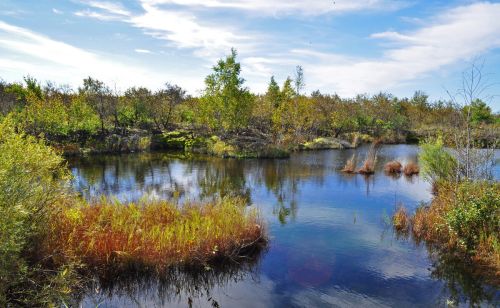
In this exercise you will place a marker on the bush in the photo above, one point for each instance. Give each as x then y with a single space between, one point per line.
32 180
437 163
475 214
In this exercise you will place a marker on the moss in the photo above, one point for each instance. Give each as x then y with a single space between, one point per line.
325 143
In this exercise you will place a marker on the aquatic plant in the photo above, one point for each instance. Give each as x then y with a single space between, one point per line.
350 165
156 235
368 166
411 168
401 220
393 167
462 218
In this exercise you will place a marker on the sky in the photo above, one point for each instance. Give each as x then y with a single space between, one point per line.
347 47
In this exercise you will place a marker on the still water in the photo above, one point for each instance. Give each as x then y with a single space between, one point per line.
331 242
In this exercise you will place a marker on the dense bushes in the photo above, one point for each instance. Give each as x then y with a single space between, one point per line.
32 181
463 217
283 115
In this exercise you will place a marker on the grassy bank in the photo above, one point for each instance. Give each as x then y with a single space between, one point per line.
464 219
156 235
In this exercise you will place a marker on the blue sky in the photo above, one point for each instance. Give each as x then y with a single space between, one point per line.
345 47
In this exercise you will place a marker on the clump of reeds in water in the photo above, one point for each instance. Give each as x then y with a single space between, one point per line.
393 167
350 166
401 220
411 168
368 166
157 235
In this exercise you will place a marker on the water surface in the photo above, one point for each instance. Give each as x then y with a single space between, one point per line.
331 239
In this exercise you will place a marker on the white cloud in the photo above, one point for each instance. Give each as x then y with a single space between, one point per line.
56 11
277 7
456 35
179 28
139 50
115 8
26 52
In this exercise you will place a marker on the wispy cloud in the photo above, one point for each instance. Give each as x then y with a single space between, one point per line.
285 7
29 52
455 35
56 11
139 50
178 28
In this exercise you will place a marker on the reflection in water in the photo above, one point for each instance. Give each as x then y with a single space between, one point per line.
329 243
181 286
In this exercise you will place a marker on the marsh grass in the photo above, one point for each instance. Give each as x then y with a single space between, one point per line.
158 235
462 219
401 220
393 167
368 166
411 168
350 166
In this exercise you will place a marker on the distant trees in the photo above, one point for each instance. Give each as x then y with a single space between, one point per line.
284 113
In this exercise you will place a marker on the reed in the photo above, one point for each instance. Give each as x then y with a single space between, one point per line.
411 168
368 166
393 167
401 220
350 165
158 235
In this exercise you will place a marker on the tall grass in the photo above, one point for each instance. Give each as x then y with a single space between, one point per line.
158 235
393 167
368 166
411 168
350 166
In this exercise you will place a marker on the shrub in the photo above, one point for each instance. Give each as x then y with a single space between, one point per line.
475 214
437 164
32 180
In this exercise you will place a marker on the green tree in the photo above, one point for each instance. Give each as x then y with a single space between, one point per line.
273 95
479 112
226 103
98 96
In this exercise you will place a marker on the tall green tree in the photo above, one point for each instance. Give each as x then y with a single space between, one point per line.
226 103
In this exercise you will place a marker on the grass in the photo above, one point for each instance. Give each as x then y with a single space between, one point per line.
393 167
368 166
401 220
158 235
350 166
464 219
411 168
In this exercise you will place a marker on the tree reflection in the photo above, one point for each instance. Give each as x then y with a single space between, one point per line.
143 287
466 283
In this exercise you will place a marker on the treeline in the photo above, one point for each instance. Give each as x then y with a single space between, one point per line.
283 115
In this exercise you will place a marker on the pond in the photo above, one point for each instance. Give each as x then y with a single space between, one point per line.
331 241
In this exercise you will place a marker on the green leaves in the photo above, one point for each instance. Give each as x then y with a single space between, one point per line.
226 104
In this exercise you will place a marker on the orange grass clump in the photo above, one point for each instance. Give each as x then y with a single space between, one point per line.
371 158
350 166
157 235
393 167
411 168
401 220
